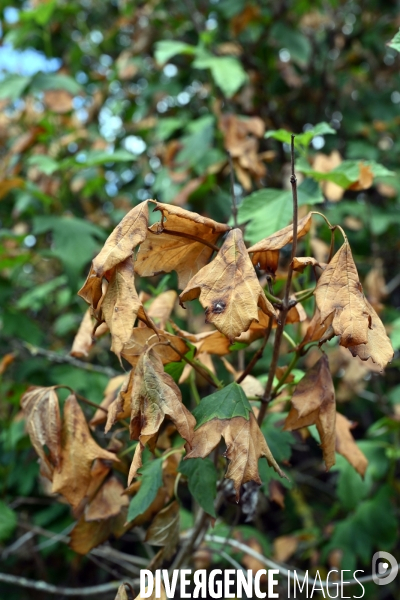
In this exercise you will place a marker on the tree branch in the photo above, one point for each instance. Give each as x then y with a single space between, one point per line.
286 303
70 360
42 586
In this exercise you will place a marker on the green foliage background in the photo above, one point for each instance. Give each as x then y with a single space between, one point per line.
144 76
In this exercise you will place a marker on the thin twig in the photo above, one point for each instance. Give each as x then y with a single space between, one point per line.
256 357
70 360
233 195
42 586
215 383
292 572
286 303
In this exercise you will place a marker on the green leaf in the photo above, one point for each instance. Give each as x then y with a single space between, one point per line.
294 41
344 174
351 487
226 71
50 81
8 521
280 442
395 42
166 49
202 480
41 14
75 241
166 127
267 211
309 192
13 86
96 158
151 481
227 403
175 369
38 296
395 334
44 163
372 522
301 139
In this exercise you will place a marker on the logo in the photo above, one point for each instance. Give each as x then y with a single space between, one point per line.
384 568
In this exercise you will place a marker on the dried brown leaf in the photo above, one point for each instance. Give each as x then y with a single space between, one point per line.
43 422
267 261
142 336
301 262
339 291
121 305
378 347
84 338
91 291
282 237
163 252
89 534
365 178
164 530
108 502
78 451
228 289
120 408
346 445
110 395
245 445
313 402
130 232
155 395
161 308
59 101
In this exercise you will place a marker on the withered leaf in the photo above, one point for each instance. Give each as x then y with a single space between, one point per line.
142 336
228 413
108 501
301 262
161 308
267 261
121 594
365 178
339 291
164 530
228 289
110 395
316 330
130 232
43 423
89 534
313 402
120 408
346 445
78 451
245 445
84 338
378 347
155 395
91 291
282 237
120 305
163 252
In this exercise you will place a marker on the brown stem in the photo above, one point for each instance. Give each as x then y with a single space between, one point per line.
187 236
285 304
233 196
81 398
195 366
256 357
